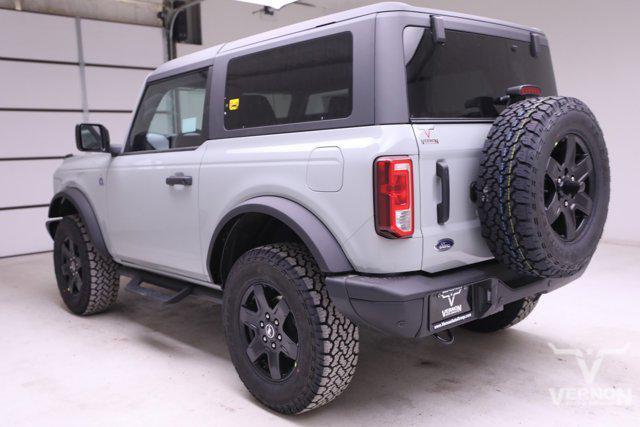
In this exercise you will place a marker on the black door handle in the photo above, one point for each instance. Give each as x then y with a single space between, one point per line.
179 179
442 172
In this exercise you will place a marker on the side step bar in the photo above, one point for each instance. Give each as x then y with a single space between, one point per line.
178 289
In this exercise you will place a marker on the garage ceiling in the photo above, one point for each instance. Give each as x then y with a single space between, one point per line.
142 12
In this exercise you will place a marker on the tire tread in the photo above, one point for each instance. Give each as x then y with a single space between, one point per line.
105 278
336 346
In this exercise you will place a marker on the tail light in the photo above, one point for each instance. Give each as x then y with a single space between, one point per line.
524 90
394 196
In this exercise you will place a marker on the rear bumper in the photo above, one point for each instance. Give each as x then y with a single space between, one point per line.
399 305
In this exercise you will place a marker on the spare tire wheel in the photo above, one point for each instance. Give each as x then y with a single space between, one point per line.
543 186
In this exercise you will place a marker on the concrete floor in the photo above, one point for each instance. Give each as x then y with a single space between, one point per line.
144 365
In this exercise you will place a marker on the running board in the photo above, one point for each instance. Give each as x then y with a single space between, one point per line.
178 289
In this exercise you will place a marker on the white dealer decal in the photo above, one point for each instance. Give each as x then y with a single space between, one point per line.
592 393
427 135
451 295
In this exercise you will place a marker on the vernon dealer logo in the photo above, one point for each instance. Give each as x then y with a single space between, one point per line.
590 361
427 135
451 295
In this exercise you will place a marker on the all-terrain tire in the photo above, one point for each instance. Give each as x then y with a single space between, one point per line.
327 342
512 314
533 193
95 288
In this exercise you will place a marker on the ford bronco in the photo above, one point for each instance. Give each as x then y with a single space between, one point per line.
407 169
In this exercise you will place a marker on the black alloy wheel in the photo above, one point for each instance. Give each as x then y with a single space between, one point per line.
291 347
71 266
270 332
569 188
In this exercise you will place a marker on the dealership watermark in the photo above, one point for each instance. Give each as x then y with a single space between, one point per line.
591 393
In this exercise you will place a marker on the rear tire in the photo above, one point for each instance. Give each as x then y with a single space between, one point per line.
87 280
291 347
512 314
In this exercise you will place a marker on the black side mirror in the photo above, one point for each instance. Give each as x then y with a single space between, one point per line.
92 137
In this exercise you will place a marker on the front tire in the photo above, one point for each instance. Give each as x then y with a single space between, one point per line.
291 347
87 280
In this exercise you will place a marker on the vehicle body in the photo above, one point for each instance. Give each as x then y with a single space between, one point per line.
253 164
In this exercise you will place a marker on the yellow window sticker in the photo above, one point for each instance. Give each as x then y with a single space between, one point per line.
234 104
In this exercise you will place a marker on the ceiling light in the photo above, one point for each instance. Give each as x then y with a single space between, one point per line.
275 4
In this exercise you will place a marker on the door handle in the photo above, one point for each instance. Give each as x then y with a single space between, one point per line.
179 179
442 172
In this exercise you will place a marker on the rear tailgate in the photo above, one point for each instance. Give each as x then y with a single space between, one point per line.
453 90
458 148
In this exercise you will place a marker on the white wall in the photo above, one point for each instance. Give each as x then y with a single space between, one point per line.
595 50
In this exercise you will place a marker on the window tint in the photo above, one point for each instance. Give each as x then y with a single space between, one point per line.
171 114
301 82
463 77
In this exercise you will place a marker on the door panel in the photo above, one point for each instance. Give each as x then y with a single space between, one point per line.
152 189
151 223
460 146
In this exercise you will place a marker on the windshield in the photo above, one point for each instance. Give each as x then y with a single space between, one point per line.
463 77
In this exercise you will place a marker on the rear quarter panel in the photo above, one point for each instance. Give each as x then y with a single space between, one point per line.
237 169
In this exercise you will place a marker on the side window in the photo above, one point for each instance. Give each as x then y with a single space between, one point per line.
171 114
301 82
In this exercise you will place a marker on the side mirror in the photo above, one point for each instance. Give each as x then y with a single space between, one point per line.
92 137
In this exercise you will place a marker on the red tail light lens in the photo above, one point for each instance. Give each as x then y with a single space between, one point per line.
530 90
394 196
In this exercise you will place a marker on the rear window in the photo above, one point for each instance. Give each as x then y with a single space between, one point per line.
301 82
463 77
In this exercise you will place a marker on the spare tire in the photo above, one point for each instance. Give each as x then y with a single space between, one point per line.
543 186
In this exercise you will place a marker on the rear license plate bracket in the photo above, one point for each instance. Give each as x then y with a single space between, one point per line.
450 307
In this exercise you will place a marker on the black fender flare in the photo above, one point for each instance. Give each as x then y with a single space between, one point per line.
69 201
312 232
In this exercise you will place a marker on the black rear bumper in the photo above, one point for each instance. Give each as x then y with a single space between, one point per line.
399 305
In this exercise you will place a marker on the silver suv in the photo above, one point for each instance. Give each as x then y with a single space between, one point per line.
391 166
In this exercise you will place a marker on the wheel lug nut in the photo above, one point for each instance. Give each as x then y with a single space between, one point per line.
264 339
276 322
559 180
261 324
279 337
573 178
566 203
273 345
267 316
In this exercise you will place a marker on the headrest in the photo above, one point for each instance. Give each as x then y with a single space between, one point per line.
253 110
339 106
